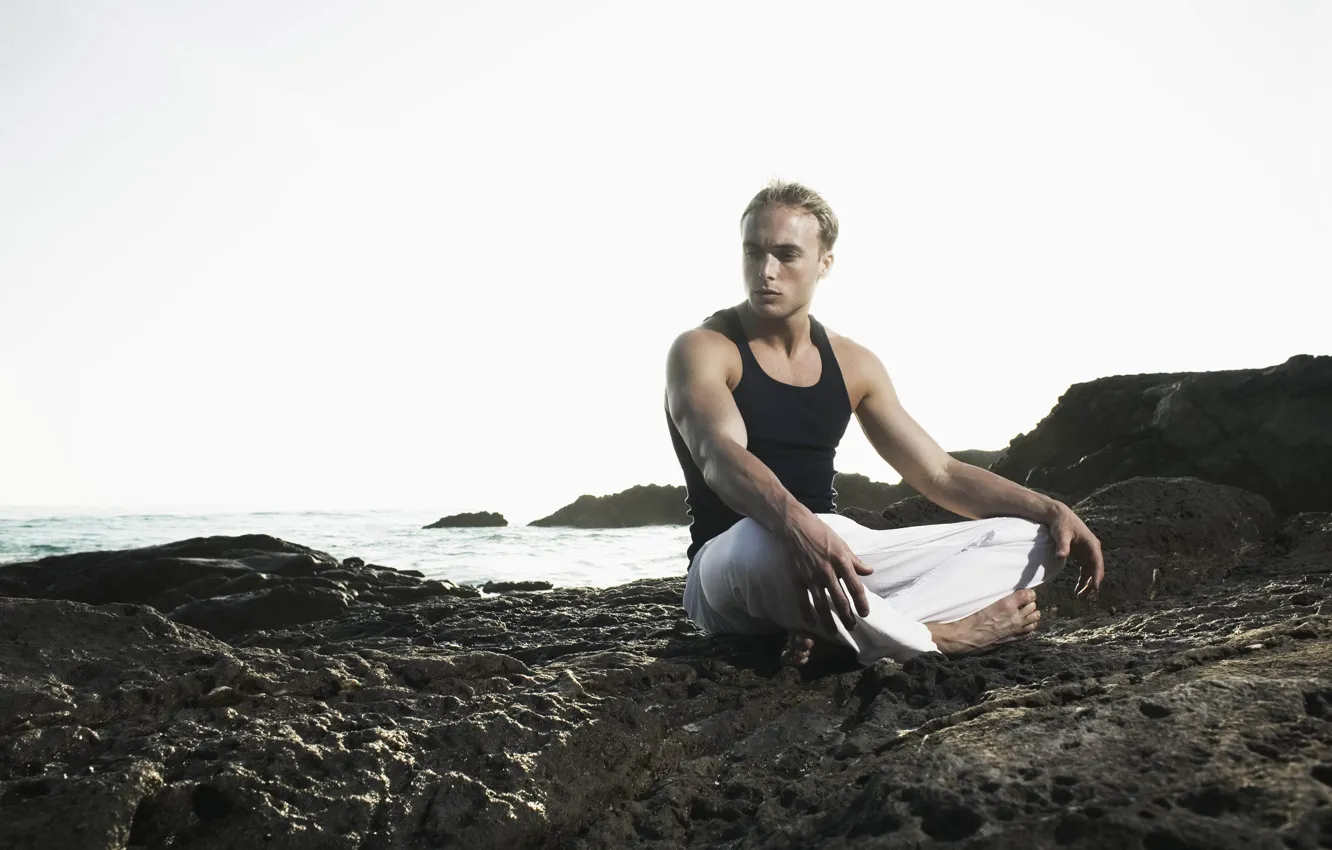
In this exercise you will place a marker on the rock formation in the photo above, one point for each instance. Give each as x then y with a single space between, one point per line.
482 519
645 504
1266 430
1190 707
247 692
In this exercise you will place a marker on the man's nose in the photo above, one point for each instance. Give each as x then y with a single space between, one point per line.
770 267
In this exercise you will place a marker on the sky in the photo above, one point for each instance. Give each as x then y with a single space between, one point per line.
300 255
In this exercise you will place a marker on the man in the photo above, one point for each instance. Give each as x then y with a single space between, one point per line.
757 399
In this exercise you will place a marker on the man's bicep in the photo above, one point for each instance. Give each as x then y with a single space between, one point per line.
898 438
697 396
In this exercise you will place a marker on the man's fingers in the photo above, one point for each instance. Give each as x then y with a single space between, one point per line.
807 612
824 612
862 568
857 591
839 601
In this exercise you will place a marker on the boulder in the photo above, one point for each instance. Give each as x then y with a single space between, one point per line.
1264 430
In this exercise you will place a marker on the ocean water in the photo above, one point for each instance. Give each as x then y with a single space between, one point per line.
392 537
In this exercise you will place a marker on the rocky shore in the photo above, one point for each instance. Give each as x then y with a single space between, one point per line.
246 691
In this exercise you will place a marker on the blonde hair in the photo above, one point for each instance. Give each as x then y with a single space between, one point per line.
787 193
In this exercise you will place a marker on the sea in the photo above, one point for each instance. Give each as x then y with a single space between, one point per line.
565 557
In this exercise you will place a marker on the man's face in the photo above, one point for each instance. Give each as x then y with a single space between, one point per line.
783 260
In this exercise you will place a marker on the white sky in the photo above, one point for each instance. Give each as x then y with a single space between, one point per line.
336 254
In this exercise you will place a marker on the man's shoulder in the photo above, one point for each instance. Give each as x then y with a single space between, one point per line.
706 349
709 335
848 351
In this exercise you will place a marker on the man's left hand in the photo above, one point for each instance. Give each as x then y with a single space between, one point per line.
1071 536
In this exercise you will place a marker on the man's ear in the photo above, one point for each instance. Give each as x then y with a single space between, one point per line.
827 262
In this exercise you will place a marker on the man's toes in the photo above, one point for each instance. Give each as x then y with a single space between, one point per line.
1033 615
1025 596
1027 610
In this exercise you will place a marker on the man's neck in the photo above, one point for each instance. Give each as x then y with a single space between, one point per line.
787 334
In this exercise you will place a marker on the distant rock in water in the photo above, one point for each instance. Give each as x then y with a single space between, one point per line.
645 504
483 519
515 586
655 504
1265 430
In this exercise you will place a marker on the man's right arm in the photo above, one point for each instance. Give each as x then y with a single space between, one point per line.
704 412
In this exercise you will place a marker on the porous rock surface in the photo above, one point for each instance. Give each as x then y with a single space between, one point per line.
1189 708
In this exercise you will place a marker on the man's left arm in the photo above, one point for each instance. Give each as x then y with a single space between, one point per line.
961 487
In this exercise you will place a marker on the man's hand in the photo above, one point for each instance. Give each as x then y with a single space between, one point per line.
823 562
1072 536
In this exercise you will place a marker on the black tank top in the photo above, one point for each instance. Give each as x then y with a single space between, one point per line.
794 431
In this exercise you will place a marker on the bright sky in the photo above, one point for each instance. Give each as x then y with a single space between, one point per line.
354 254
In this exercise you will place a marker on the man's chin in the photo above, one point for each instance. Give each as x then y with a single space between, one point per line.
765 308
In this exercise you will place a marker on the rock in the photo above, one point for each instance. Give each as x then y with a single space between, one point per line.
857 491
1264 430
512 586
230 586
484 519
645 504
1176 516
917 510
1198 714
867 518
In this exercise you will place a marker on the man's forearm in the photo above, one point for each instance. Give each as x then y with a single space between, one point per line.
980 494
748 487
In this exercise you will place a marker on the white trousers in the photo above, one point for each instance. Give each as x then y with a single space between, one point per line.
741 581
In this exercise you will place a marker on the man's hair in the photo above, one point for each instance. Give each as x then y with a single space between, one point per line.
786 193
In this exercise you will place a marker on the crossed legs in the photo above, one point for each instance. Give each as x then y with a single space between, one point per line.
949 588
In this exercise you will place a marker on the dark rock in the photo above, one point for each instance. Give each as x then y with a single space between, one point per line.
1176 516
917 510
512 586
484 519
645 504
230 586
1199 714
1264 430
867 518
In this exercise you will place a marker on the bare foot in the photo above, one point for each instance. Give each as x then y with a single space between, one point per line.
1011 618
799 644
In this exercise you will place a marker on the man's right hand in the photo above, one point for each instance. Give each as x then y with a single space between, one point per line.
823 563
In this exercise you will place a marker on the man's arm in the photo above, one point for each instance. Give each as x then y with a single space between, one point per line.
961 487
701 406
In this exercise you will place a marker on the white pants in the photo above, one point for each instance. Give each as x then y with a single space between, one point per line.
742 580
